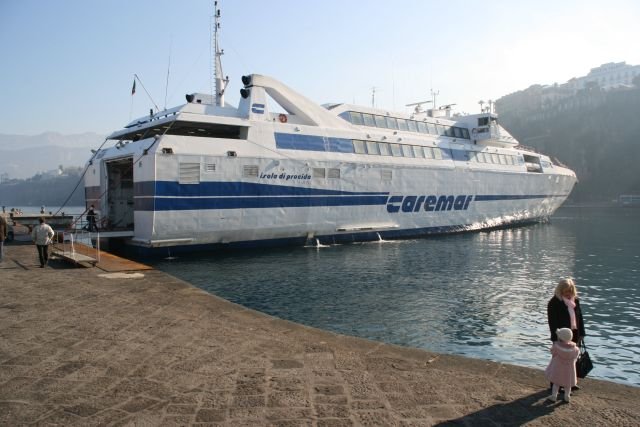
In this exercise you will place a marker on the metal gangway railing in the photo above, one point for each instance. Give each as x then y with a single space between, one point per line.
78 246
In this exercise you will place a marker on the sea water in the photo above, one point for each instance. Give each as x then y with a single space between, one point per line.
481 294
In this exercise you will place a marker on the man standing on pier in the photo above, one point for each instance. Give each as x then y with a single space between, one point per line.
4 232
42 235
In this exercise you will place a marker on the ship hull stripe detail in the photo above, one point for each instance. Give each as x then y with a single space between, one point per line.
265 202
237 189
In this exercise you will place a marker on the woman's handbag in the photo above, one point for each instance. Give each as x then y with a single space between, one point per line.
583 364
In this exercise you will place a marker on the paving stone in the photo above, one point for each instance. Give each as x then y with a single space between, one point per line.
209 415
332 411
286 364
288 398
137 404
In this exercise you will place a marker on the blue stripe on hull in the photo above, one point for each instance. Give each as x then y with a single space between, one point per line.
264 202
237 189
191 203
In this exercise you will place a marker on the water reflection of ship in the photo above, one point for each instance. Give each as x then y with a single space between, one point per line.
504 309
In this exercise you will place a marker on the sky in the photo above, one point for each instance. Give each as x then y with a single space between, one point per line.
68 65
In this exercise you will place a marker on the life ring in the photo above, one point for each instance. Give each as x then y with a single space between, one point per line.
282 118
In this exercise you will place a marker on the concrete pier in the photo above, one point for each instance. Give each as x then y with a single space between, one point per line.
84 346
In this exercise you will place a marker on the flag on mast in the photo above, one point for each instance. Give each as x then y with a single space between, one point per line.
133 88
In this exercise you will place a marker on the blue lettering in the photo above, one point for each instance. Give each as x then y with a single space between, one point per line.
466 204
429 203
408 203
458 204
414 203
391 208
444 203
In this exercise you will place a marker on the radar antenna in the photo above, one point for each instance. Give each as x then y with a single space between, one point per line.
220 82
418 106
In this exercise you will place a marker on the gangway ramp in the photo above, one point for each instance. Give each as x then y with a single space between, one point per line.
78 248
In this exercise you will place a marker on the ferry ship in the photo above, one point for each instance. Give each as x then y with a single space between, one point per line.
206 174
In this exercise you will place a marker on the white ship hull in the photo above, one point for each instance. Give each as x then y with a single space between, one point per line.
260 178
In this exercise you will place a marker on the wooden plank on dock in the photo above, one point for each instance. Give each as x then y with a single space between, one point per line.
113 263
107 261
75 257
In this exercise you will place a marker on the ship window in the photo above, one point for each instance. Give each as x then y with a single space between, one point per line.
412 126
437 153
428 152
384 149
250 171
503 159
345 115
318 172
448 131
465 133
422 127
333 173
368 119
457 132
483 121
392 123
356 118
407 151
495 159
189 173
532 163
386 174
358 147
206 130
396 151
372 148
203 130
380 121
432 129
402 124
417 151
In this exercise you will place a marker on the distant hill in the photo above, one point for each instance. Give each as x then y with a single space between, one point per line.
48 190
23 156
595 132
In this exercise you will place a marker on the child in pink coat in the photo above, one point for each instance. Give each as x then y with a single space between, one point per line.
562 367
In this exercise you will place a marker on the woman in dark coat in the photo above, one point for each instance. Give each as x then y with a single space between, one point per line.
563 311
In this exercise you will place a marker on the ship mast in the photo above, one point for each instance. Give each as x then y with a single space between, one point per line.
220 82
